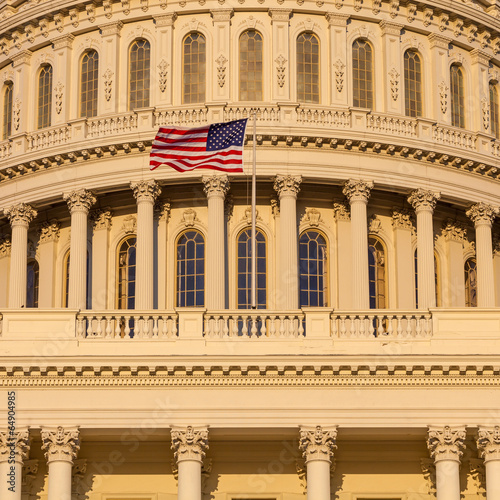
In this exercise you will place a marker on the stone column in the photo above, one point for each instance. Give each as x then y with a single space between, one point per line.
358 192
287 187
454 233
79 203
14 449
424 203
440 75
337 27
446 446
101 223
216 188
162 217
20 217
488 444
146 193
402 225
47 247
189 445
483 216
317 446
343 255
61 447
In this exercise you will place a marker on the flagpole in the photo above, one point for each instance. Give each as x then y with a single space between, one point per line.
254 188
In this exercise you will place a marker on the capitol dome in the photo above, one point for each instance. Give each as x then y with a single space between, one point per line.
132 364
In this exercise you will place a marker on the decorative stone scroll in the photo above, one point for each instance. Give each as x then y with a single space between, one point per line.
280 70
80 200
221 70
60 444
355 190
287 185
108 83
394 81
339 75
317 443
162 75
189 443
446 443
146 190
422 199
482 213
215 185
443 96
20 215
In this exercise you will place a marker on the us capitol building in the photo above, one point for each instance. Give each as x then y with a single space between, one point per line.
132 366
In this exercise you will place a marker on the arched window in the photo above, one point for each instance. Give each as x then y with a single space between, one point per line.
44 96
308 68
436 279
494 110
457 96
125 296
413 83
88 83
362 74
377 273
7 110
251 54
313 270
470 274
193 68
33 282
191 270
139 64
245 269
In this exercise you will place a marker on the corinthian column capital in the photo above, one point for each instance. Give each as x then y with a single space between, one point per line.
488 442
21 214
146 190
189 443
215 185
482 214
60 445
357 190
317 443
14 445
49 231
446 443
80 200
287 185
423 200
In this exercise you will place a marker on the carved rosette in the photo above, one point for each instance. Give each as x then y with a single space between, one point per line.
488 443
215 185
101 219
19 442
446 443
454 231
317 443
147 191
49 231
357 190
60 445
287 185
482 214
20 215
423 200
80 200
401 219
189 443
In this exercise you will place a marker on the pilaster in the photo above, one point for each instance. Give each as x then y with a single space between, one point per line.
281 84
479 108
109 70
101 220
222 43
22 98
342 217
454 233
403 227
61 82
440 75
337 27
47 248
163 67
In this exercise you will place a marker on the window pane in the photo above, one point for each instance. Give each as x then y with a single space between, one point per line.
308 68
88 84
377 273
313 270
494 116
251 48
193 74
362 74
457 97
7 111
413 83
126 273
139 65
191 270
44 97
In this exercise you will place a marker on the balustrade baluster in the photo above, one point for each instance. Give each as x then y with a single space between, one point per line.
399 328
244 329
108 327
272 326
263 329
254 326
301 326
343 329
282 326
127 327
118 326
155 326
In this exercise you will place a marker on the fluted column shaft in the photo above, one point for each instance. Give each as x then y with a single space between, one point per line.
424 203
79 203
358 192
483 216
61 447
189 447
317 446
14 449
146 193
446 446
288 187
488 444
20 217
216 188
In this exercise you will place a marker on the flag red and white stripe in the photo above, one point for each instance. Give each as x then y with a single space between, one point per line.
218 146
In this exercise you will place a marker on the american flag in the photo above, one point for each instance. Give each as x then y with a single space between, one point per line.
218 146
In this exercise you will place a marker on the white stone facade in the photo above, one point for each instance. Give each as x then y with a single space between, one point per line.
151 382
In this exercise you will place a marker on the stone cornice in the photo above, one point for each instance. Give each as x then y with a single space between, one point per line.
317 443
23 57
165 19
282 15
110 29
440 41
60 445
63 42
390 28
446 443
336 19
189 443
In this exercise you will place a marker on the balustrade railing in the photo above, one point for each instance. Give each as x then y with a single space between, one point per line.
324 117
127 325
381 324
245 324
452 136
386 124
48 137
187 116
118 124
263 114
5 149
